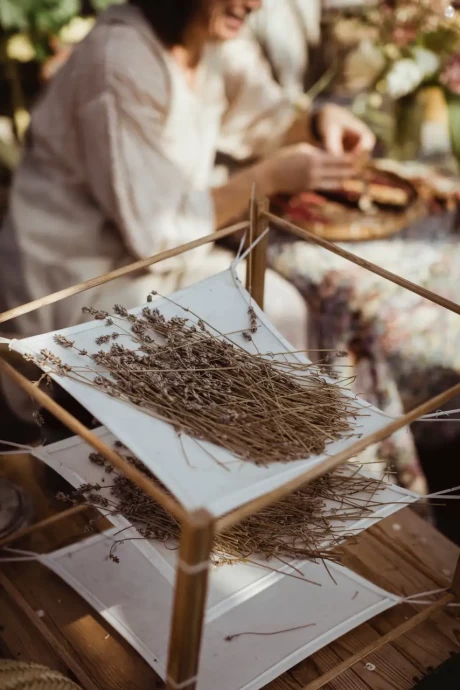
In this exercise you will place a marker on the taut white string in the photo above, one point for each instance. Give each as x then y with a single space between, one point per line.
24 555
432 417
254 244
444 494
428 602
20 448
193 569
240 248
440 412
18 560
184 684
417 600
429 593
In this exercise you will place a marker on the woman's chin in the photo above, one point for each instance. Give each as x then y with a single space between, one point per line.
228 29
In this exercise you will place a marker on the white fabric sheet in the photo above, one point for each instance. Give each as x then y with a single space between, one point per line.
222 302
70 459
136 599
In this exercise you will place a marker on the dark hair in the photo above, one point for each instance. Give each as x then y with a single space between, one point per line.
170 18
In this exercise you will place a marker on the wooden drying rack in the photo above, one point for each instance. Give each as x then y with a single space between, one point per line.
199 526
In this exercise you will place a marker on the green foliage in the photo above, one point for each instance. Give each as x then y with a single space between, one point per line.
453 107
13 15
41 19
443 41
37 16
101 5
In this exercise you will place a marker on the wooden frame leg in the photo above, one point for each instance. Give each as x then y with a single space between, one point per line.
190 601
257 259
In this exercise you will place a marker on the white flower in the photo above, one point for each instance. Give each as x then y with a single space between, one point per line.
20 48
76 30
427 61
403 78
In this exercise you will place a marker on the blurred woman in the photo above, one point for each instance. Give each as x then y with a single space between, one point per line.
120 152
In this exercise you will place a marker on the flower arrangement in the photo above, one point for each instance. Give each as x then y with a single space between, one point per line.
419 38
417 46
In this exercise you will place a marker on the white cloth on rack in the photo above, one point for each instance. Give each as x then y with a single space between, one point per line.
285 307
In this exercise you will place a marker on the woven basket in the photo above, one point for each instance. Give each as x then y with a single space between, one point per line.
16 675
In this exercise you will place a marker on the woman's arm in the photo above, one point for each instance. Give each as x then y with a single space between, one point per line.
332 127
300 129
260 117
231 199
290 170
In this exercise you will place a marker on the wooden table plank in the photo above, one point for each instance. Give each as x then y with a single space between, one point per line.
449 624
394 671
111 662
18 641
321 662
425 647
428 546
387 567
284 682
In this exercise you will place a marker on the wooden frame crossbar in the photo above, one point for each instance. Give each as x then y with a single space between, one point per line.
143 482
334 461
380 642
120 272
303 234
199 527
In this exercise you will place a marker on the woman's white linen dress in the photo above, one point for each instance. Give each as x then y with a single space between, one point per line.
118 166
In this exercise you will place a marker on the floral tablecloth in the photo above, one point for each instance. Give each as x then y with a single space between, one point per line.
404 349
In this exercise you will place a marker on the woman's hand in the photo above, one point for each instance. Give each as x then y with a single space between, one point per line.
303 167
341 132
290 170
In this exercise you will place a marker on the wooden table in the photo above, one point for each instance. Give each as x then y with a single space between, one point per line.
404 554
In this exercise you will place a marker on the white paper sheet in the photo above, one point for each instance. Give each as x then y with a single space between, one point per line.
222 302
136 599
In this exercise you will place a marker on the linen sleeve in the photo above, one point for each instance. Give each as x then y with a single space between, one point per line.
126 165
258 113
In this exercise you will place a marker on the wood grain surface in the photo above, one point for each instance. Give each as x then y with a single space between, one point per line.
404 554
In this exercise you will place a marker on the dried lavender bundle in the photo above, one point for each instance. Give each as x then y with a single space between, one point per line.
260 408
296 527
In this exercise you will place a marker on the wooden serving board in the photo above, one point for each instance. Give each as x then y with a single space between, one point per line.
337 216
